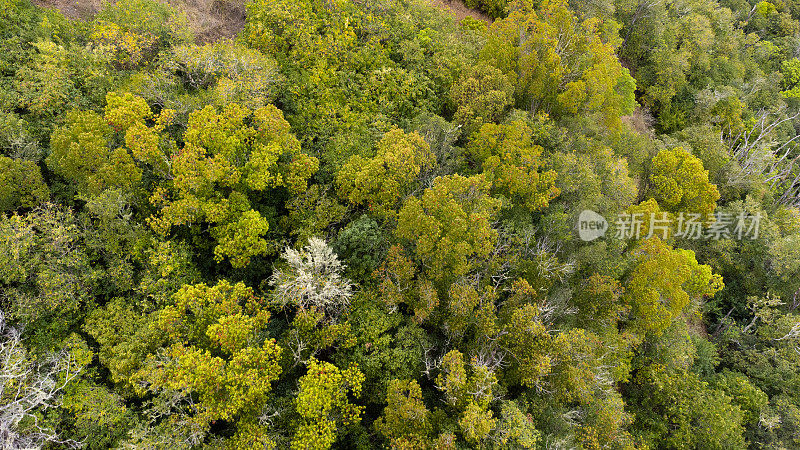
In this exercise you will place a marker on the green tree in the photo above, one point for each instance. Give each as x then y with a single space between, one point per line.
450 225
99 416
560 64
125 337
22 184
323 404
683 411
680 183
381 182
359 244
513 164
46 278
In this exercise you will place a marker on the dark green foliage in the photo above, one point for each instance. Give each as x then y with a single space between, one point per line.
360 245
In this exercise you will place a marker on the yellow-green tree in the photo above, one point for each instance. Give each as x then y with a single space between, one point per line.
680 183
664 284
227 154
468 389
559 63
130 116
216 352
323 404
80 153
135 30
481 95
381 182
513 164
405 420
450 225
528 339
398 283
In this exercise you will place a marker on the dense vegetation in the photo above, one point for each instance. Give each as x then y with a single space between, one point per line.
354 226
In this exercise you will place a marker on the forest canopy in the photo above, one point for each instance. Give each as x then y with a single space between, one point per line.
370 224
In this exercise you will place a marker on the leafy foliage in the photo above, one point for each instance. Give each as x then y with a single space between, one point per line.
364 224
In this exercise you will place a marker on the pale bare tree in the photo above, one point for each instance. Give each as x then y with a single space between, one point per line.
313 279
759 153
29 386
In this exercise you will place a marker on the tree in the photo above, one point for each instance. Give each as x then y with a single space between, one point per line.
58 76
470 392
46 278
593 176
476 423
384 343
390 176
359 244
22 184
450 225
405 420
81 155
16 138
743 393
231 72
482 95
791 77
94 414
228 154
663 284
323 404
125 337
311 213
399 283
217 352
135 30
680 183
530 343
512 163
515 429
561 65
313 280
30 386
312 283
600 303
683 411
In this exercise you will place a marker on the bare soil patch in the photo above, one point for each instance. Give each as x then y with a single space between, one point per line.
210 19
213 19
460 10
74 9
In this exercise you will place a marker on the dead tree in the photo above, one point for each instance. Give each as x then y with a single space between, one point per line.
29 386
